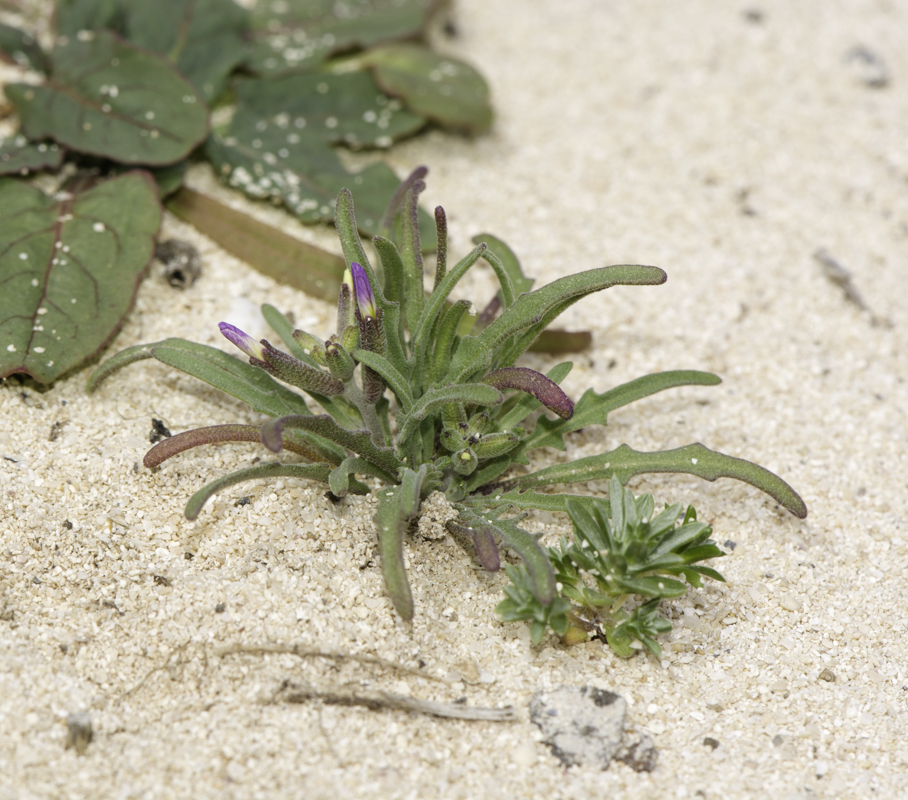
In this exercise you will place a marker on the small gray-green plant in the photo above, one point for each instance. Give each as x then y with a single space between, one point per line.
620 551
460 413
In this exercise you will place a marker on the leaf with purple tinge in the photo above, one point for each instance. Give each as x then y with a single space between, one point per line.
545 390
105 97
69 270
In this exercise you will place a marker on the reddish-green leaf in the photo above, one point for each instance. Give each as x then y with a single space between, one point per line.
69 269
106 97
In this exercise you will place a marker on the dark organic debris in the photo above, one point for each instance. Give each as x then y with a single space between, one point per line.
639 753
182 264
837 274
158 431
79 732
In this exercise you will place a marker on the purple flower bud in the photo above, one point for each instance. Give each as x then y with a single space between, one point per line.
362 290
243 340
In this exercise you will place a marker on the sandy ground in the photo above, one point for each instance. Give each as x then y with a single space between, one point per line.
726 143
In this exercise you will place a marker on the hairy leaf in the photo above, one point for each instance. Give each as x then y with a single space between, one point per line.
693 459
299 34
107 98
18 156
593 408
476 352
444 89
342 479
69 270
322 424
312 472
433 400
219 434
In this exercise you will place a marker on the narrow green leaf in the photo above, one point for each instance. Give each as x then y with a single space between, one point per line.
693 459
593 407
322 424
107 98
509 261
312 472
241 380
341 479
390 520
446 90
436 300
395 380
19 47
528 498
435 398
267 249
527 547
298 35
69 270
476 352
203 38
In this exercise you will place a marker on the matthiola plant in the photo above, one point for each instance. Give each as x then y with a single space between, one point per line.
412 395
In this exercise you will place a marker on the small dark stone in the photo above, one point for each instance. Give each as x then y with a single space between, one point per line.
160 580
710 742
158 431
244 501
868 67
730 544
188 556
55 431
220 608
827 675
67 524
777 740
754 16
182 265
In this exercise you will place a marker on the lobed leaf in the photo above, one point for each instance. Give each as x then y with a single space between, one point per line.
69 270
693 459
105 97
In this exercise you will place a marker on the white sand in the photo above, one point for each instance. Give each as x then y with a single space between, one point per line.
626 132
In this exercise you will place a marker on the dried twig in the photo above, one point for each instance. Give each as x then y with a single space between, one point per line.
306 652
377 699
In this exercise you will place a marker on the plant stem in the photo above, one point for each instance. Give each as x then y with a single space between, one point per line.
367 411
